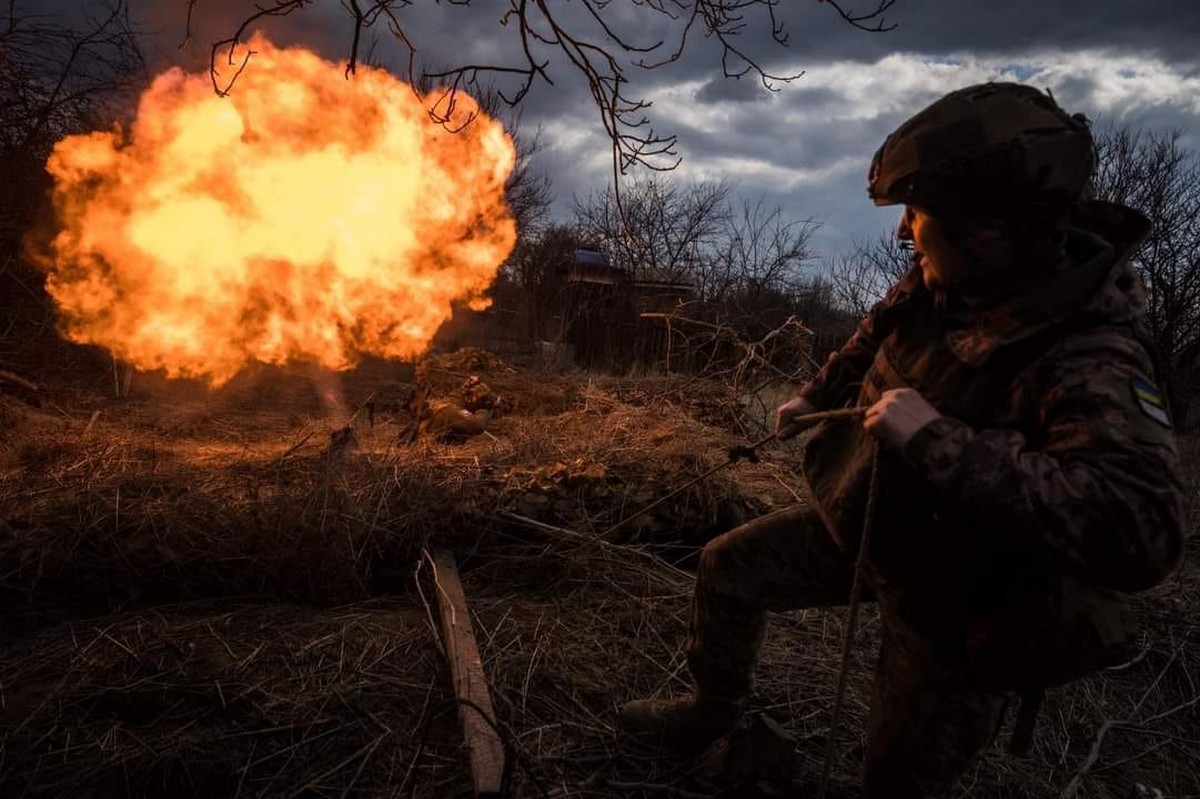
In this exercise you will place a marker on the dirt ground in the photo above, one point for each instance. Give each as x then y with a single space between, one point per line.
203 596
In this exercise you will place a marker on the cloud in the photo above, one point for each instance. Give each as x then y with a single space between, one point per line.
732 90
1161 29
810 144
806 146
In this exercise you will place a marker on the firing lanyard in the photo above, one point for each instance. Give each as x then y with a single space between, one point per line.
735 454
856 588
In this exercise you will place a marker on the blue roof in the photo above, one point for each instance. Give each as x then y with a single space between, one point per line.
591 258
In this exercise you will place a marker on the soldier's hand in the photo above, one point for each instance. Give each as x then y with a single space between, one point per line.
787 416
898 415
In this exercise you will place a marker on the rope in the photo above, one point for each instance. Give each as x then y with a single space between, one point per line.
851 623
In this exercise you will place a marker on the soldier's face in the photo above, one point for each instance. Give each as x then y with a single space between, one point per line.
943 264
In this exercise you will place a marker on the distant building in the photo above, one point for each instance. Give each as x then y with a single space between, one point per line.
593 266
584 308
601 306
660 291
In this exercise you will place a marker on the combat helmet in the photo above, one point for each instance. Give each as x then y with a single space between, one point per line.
996 149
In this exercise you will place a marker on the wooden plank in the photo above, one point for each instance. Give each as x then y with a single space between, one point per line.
484 748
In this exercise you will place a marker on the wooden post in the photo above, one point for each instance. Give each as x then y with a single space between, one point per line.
484 747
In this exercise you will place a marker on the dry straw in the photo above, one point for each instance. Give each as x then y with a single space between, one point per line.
202 599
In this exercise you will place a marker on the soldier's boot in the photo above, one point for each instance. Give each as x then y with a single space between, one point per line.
687 725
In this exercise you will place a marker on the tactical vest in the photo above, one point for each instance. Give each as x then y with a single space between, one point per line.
1009 619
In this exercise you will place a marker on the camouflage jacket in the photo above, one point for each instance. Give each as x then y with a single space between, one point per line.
1054 453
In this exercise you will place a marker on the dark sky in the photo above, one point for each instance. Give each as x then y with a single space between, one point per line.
805 147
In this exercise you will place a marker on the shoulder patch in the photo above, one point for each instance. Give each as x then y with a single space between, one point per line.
1151 401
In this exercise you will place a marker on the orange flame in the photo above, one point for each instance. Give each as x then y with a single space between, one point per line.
304 217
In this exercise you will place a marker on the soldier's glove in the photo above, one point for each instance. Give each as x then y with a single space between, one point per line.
787 418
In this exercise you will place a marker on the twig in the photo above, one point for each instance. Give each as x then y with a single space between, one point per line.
1072 788
91 423
423 722
17 380
294 447
588 540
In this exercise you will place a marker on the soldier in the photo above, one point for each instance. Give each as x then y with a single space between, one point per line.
448 419
1028 474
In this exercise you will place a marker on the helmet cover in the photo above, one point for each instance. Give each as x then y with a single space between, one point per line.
1001 149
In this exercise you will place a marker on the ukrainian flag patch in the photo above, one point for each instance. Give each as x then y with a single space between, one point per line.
1151 401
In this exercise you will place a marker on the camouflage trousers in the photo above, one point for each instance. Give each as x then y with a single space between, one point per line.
925 724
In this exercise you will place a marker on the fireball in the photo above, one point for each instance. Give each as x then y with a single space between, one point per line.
303 217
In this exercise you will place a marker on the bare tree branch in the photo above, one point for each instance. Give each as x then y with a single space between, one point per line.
862 276
57 79
1153 172
54 77
592 44
662 231
872 21
282 8
761 253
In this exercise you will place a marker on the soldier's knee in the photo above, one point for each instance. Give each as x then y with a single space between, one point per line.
746 552
715 557
722 558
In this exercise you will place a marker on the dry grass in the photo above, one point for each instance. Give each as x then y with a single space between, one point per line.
218 698
206 601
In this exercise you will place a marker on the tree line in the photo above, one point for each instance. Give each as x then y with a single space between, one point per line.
749 262
746 261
